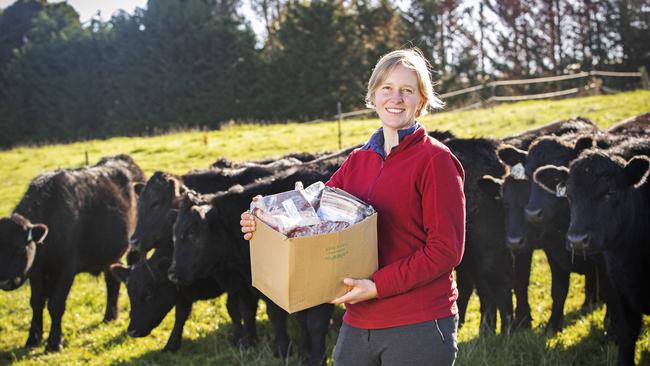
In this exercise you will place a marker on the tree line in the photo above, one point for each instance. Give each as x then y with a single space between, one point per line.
197 63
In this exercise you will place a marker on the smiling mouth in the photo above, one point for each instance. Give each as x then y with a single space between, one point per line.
394 110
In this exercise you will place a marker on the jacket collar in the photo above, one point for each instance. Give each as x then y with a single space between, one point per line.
376 142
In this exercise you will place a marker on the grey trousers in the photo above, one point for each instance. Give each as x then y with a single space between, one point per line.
429 343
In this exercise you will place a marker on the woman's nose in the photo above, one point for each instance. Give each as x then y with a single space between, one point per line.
397 96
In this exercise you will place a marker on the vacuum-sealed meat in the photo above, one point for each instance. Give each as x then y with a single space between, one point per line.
321 228
285 211
314 210
338 205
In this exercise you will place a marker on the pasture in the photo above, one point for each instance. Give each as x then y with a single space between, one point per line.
89 341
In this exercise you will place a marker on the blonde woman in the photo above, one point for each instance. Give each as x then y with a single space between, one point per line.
406 314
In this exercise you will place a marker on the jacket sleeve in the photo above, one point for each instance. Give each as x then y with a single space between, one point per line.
338 177
443 217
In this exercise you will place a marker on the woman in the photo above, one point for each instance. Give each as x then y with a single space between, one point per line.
406 314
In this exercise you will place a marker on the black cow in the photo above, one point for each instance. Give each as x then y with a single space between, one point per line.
638 126
515 190
88 214
208 240
152 295
487 264
162 193
549 218
610 214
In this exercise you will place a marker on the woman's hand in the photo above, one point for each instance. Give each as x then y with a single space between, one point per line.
360 290
248 222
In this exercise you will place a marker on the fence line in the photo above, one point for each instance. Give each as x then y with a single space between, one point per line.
496 98
517 98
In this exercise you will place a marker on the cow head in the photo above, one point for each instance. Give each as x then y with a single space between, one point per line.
151 294
543 206
19 239
606 198
197 240
156 199
514 191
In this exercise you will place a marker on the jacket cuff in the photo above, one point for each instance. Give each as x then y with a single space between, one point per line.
385 287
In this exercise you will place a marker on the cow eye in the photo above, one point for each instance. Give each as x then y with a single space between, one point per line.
148 296
611 193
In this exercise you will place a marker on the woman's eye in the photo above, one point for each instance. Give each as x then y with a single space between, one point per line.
407 91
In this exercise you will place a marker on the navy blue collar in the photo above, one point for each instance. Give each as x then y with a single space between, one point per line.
376 142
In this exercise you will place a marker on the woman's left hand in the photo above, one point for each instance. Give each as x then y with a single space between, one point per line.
361 290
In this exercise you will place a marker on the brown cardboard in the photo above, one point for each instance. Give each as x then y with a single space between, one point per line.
298 273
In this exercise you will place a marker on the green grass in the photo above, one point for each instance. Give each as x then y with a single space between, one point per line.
90 342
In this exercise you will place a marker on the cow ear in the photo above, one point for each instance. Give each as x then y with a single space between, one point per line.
138 188
636 171
511 155
174 187
133 257
120 272
172 215
583 143
552 179
490 185
38 233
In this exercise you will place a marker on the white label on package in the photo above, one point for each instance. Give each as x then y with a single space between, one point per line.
291 209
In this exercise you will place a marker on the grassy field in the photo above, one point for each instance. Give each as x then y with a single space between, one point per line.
90 342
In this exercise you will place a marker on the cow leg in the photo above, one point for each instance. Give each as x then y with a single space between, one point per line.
318 320
56 308
183 310
488 308
505 308
112 294
248 305
232 305
465 289
559 290
591 289
37 302
628 328
278 319
522 266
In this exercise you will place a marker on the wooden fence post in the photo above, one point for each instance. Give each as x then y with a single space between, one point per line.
338 109
645 80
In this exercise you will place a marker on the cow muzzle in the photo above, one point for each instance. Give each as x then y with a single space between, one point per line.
535 216
579 243
11 284
515 244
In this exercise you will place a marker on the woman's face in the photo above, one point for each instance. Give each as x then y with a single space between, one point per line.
397 99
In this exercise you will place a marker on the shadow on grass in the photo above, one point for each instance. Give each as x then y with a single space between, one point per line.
215 348
18 353
538 347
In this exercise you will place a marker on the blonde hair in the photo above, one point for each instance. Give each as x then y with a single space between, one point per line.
411 59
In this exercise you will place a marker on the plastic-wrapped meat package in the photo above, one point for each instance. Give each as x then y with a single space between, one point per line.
338 205
313 193
285 211
322 228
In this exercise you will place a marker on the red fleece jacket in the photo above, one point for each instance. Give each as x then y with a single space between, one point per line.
418 194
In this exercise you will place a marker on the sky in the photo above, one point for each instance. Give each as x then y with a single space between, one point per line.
88 8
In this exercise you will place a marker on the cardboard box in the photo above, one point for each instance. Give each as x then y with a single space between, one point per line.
298 273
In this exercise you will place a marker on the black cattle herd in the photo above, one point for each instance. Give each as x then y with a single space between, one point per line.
575 191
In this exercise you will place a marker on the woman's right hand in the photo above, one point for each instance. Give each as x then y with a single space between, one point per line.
248 222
